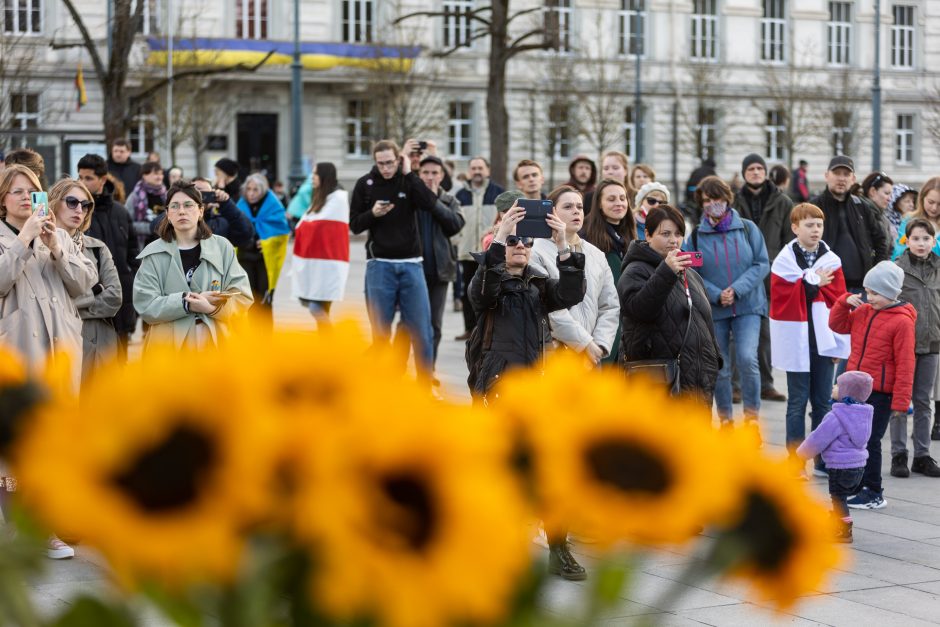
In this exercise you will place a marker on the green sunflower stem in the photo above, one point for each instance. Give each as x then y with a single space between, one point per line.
13 598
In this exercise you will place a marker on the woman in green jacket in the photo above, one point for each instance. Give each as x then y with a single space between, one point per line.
189 282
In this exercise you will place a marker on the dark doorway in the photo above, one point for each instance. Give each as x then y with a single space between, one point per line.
257 143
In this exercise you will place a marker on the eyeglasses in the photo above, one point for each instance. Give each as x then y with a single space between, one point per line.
188 206
652 202
514 240
386 164
72 203
19 193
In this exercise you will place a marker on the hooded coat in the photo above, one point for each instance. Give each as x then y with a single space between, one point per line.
587 188
882 345
97 307
922 290
655 312
842 436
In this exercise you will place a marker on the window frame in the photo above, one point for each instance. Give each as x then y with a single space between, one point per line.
364 123
246 22
905 139
841 28
773 31
457 23
150 20
36 10
707 131
775 134
903 31
629 11
365 24
142 140
559 130
19 119
460 129
699 39
564 9
840 132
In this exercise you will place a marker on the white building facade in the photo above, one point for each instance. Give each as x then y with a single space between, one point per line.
788 79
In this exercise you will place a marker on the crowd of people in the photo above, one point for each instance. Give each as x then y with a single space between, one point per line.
708 296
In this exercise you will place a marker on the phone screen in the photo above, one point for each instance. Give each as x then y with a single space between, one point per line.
40 202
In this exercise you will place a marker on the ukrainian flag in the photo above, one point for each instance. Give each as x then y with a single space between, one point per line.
80 89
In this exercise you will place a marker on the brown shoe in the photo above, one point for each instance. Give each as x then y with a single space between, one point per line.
771 394
735 396
463 337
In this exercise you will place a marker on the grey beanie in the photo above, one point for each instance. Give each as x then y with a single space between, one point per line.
886 279
854 384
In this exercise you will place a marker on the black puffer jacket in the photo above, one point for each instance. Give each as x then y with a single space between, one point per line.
516 307
655 313
111 223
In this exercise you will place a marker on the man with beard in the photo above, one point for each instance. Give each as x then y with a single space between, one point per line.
583 173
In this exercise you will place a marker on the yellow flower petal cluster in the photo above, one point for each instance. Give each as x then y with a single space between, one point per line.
161 466
614 458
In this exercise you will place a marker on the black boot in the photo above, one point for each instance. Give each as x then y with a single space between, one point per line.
926 465
563 564
899 465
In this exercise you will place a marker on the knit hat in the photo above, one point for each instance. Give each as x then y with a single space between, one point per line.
885 279
647 188
228 166
750 160
854 384
505 200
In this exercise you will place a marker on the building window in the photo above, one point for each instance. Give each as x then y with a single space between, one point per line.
773 29
24 111
631 20
706 133
840 33
776 131
559 133
22 17
902 36
143 127
359 124
150 18
460 129
631 132
358 21
842 136
558 22
251 19
457 23
705 30
904 139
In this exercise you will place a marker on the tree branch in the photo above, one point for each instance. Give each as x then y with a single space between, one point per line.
160 84
517 46
480 34
521 13
86 38
473 15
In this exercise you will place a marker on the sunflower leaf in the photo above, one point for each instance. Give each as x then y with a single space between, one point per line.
86 611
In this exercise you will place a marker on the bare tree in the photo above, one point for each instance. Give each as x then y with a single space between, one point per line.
700 111
495 20
839 115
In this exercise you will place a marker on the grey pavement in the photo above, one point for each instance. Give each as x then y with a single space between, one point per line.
892 578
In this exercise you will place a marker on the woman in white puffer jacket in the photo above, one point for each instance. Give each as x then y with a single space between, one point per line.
591 325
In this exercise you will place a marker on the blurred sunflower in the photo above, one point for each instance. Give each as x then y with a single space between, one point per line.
633 463
779 538
412 518
161 472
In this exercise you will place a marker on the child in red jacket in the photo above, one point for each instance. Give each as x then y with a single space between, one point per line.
882 333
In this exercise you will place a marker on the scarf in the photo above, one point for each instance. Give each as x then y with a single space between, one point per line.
724 224
140 193
848 400
79 240
616 240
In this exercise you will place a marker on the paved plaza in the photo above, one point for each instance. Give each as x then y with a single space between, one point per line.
893 577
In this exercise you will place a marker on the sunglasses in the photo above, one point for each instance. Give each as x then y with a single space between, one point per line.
514 240
652 202
72 203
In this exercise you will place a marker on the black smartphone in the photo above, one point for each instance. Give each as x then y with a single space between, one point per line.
423 145
209 197
534 224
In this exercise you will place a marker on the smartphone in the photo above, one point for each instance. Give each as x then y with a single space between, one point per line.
40 201
423 145
208 197
534 224
695 256
383 202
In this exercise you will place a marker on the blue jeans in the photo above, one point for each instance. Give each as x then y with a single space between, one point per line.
814 387
402 285
746 330
879 424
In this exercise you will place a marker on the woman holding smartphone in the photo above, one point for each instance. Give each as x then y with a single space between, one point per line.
72 204
189 282
41 271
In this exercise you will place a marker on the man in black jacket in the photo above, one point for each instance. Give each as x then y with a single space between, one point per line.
111 223
440 256
852 229
386 202
122 166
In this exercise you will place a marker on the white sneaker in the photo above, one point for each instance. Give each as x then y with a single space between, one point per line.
58 550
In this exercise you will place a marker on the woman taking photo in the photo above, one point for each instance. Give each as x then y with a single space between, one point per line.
664 309
611 227
591 325
73 205
41 271
734 266
189 282
321 246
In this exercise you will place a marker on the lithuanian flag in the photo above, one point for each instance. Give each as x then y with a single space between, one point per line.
80 88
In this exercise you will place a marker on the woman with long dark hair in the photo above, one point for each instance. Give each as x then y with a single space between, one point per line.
321 245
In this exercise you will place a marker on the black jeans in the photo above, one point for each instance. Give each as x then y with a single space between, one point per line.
437 293
843 483
879 424
467 270
253 264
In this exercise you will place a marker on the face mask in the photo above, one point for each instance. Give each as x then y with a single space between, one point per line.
716 209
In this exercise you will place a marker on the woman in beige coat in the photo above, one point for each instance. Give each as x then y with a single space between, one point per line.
41 271
73 205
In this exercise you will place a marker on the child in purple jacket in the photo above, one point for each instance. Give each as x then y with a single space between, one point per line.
842 439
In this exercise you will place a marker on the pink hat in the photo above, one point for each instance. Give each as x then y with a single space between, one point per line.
855 384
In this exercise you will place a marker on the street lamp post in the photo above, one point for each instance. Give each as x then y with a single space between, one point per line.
876 95
169 84
637 96
296 177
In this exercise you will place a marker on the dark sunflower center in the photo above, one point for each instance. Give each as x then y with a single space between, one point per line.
628 466
169 475
315 392
415 518
16 401
762 528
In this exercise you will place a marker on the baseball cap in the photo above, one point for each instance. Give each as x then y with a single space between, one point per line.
431 159
842 161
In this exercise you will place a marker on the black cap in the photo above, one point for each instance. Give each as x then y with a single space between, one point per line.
842 162
432 159
228 166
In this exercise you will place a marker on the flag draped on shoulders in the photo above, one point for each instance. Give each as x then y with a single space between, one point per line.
320 265
272 229
789 314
